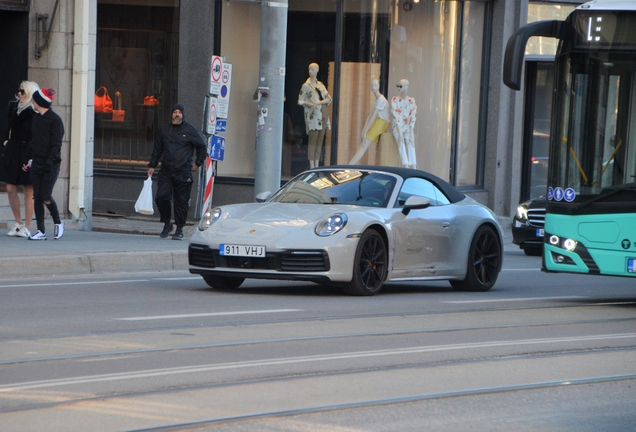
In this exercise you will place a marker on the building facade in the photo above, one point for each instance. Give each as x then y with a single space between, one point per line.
469 129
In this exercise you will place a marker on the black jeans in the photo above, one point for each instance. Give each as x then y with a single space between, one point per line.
178 185
43 183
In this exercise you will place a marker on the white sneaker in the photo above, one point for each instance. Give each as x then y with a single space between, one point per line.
14 230
24 232
39 235
58 230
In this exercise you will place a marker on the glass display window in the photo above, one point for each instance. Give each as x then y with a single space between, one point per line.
404 79
136 66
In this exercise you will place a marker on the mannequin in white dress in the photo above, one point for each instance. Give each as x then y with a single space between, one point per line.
404 113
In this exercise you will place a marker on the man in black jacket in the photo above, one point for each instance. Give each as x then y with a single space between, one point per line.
174 147
44 161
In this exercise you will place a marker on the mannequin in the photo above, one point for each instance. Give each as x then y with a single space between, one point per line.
404 111
377 123
315 98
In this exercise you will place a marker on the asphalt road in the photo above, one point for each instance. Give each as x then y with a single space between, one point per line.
162 351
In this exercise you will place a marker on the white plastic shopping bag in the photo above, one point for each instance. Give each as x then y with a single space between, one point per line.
144 203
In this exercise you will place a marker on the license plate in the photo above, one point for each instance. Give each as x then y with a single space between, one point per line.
540 232
242 250
631 265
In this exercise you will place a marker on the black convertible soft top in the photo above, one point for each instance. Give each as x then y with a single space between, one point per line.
451 193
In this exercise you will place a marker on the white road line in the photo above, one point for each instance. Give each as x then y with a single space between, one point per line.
179 278
160 317
515 299
74 283
27 385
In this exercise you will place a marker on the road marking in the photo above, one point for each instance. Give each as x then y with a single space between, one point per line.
74 283
515 299
179 278
160 317
6 388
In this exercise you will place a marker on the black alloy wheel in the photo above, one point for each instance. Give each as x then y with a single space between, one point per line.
369 266
484 262
223 282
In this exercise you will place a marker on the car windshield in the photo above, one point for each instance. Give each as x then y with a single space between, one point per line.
363 188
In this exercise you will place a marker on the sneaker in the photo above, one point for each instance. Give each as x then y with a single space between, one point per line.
24 232
14 230
39 235
58 230
178 235
167 229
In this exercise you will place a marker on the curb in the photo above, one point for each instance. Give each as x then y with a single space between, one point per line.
107 262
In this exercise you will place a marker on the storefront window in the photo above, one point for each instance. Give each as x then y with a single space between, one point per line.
137 57
424 55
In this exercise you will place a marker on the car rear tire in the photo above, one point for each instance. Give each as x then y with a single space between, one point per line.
369 266
484 262
223 282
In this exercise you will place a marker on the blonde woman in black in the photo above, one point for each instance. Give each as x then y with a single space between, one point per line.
15 143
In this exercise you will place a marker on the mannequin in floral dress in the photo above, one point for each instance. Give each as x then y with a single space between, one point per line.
404 112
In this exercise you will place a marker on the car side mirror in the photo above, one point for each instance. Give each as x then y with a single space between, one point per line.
415 203
263 196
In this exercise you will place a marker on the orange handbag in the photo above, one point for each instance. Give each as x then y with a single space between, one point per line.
103 102
118 114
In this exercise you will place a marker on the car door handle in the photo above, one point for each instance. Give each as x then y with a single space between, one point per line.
445 225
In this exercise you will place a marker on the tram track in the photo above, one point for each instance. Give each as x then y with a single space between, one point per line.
118 353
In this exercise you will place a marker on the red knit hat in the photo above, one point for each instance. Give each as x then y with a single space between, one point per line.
44 97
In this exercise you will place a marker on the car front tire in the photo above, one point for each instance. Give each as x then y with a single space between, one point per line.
369 266
484 262
222 282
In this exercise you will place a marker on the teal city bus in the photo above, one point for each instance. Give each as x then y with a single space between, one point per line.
590 221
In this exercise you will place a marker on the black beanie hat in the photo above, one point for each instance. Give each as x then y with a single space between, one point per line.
179 107
44 97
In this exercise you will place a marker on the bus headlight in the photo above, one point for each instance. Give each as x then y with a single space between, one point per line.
569 244
554 240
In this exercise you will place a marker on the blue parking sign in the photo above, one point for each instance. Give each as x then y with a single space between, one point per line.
217 148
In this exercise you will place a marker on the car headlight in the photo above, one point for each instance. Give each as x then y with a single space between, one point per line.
522 213
331 224
209 218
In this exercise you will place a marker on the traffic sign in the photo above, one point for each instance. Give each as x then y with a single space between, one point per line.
216 71
224 90
221 126
212 115
217 147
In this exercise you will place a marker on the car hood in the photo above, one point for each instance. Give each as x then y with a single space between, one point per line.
278 214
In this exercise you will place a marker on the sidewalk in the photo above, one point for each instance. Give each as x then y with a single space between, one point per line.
116 244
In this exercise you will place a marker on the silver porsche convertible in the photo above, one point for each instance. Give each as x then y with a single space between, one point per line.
355 227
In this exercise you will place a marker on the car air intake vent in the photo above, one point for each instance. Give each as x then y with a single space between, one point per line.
304 261
536 217
201 256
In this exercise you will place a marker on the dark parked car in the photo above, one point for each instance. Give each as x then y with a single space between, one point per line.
527 226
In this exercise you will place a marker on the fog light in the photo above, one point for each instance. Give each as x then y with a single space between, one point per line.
554 240
560 258
569 244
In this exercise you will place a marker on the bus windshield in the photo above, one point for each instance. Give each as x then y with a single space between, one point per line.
594 152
